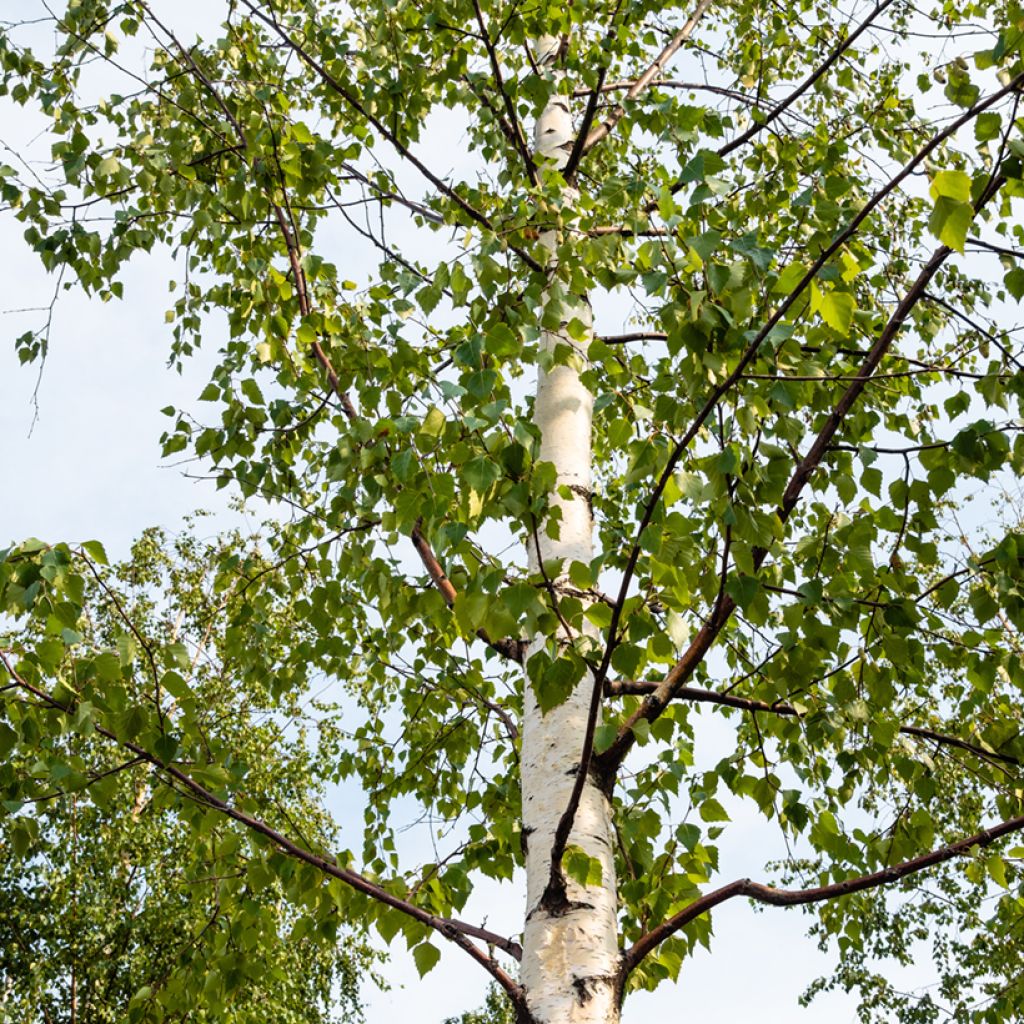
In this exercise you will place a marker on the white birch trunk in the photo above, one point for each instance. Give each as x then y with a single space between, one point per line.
570 954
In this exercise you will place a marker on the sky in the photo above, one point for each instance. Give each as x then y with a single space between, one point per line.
80 459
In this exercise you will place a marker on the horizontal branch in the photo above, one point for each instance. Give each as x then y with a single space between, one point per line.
1002 250
622 688
453 930
624 339
799 897
603 230
672 83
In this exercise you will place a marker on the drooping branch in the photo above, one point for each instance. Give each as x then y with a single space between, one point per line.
394 197
799 897
454 930
622 688
512 649
938 300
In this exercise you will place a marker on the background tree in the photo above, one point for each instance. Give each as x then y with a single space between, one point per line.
120 900
749 505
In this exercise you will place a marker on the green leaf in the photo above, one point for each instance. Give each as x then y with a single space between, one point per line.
433 423
95 550
584 869
790 278
1014 281
837 309
712 810
426 957
107 167
107 666
987 126
955 185
950 221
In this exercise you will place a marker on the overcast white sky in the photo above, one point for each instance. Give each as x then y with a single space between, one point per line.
90 468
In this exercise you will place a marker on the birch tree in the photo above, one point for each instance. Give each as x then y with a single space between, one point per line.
682 395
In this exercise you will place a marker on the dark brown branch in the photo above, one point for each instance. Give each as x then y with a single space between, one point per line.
583 133
671 83
622 339
603 230
911 449
515 128
655 703
453 930
1016 254
806 84
508 648
622 688
799 897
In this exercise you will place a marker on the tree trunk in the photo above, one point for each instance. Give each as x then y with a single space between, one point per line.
570 949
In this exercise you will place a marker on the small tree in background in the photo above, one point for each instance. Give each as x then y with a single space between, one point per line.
743 505
120 899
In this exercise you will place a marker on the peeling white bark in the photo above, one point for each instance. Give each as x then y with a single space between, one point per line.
570 958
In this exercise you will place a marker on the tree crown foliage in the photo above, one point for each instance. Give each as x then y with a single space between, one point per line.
813 232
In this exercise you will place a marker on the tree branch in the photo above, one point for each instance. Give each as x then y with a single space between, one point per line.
453 930
617 112
512 649
622 339
336 86
582 135
798 897
622 688
656 702
499 82
806 84
672 83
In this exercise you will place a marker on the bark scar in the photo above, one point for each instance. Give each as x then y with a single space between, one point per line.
585 986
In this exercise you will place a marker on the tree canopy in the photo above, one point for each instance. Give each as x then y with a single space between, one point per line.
778 248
